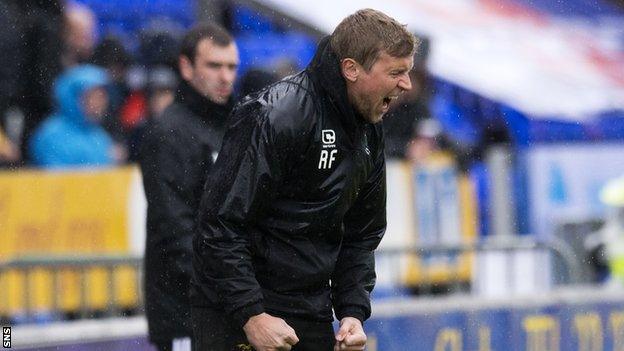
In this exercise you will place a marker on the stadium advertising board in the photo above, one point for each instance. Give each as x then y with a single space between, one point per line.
533 327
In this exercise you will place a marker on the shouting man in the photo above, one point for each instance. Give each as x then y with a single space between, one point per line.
297 204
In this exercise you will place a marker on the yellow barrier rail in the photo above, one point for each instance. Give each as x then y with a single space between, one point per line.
71 284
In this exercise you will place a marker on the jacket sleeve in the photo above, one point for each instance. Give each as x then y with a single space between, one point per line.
365 223
169 193
244 177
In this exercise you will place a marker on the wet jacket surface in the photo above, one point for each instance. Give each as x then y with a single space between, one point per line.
68 138
176 154
298 200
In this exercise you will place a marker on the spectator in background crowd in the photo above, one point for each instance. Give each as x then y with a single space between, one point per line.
30 47
73 135
428 142
151 84
411 107
78 34
160 45
158 55
177 152
160 90
9 153
425 141
112 55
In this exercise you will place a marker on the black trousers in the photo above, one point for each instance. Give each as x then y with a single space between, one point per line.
213 331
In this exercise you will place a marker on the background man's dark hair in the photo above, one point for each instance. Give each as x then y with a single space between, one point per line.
210 31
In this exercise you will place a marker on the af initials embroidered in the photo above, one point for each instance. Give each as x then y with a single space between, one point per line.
328 156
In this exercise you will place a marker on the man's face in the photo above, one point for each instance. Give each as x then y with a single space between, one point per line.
213 72
372 92
95 103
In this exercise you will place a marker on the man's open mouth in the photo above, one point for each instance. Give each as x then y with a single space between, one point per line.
388 99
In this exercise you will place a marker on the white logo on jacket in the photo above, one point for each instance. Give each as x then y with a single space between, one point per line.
328 156
329 136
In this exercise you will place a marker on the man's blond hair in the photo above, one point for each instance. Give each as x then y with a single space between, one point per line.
364 35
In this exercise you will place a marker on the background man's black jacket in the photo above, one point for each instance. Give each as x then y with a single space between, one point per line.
279 223
176 155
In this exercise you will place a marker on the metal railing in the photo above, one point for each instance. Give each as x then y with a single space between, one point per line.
83 265
559 249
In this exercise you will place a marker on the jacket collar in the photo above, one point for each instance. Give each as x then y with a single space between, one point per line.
206 109
325 73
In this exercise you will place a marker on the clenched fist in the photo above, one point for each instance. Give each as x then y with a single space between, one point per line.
267 333
350 336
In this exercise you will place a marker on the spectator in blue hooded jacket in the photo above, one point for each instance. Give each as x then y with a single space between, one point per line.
73 136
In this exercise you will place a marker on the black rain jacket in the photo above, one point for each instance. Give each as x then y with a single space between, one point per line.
295 204
176 154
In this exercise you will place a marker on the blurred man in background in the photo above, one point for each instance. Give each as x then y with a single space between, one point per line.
177 152
296 207
73 135
30 43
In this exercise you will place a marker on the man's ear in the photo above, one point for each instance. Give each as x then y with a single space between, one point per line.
186 67
350 69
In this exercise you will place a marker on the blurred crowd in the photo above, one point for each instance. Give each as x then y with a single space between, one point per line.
69 98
